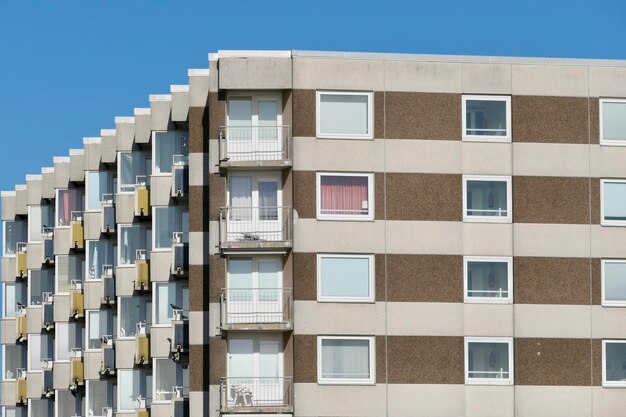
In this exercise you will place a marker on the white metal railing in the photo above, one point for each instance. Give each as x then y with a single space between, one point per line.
106 198
499 212
180 160
239 394
76 353
180 237
499 293
47 231
76 216
141 180
20 247
255 143
21 373
107 270
256 305
501 374
169 395
141 254
250 224
47 297
76 285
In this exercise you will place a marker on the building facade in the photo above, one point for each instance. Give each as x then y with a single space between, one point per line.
331 234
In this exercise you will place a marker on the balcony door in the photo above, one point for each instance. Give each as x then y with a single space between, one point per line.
255 369
254 129
254 208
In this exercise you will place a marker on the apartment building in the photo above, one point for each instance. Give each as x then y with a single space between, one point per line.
331 234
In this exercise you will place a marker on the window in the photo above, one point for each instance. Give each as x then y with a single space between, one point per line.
40 347
68 202
170 296
67 404
68 268
99 186
613 121
133 168
40 407
38 218
13 358
99 323
613 202
614 363
488 279
344 115
14 233
167 221
68 337
345 278
13 411
489 360
169 148
614 282
134 242
487 199
346 360
132 385
14 294
487 118
345 196
132 311
99 396
39 282
168 376
99 254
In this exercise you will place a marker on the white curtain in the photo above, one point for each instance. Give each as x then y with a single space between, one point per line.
345 359
166 295
240 189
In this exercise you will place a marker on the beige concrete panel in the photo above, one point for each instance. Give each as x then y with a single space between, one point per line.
339 318
124 353
423 156
201 402
91 224
92 362
426 400
201 330
8 391
482 158
311 235
159 346
124 208
430 77
607 242
47 184
125 280
549 80
108 146
311 154
198 241
608 322
77 165
608 161
34 384
491 78
61 375
214 238
160 265
255 73
8 269
488 239
489 320
549 320
489 401
92 290
340 400
34 255
160 190
33 319
341 74
430 238
553 401
199 167
551 240
93 155
551 159
160 410
213 159
423 319
33 189
61 240
124 133
62 173
8 331
8 205
21 197
62 307
607 81
199 82
160 114
143 124
608 402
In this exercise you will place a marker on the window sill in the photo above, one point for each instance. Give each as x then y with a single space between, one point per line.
615 304
618 143
347 382
345 301
477 219
613 223
476 300
489 382
493 139
346 137
346 219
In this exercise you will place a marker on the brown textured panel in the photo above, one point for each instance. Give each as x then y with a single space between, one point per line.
305 359
207 364
304 276
550 119
556 200
198 287
379 276
198 216
217 277
596 353
217 196
304 113
539 280
595 201
594 119
422 116
217 113
379 196
198 129
596 282
425 278
425 360
304 191
431 197
561 362
217 351
381 359
379 114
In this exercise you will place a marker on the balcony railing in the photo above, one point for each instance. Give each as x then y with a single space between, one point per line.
257 308
260 145
255 227
260 395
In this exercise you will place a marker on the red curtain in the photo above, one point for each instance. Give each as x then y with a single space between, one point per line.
344 195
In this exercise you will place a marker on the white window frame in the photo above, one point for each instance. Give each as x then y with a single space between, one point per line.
4 236
346 381
349 217
606 383
609 222
489 381
180 210
486 138
180 287
147 232
152 157
605 302
80 199
372 280
601 133
489 219
119 388
31 209
111 190
146 159
488 300
370 115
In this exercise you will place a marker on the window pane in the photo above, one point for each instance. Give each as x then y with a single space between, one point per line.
166 379
132 311
68 404
614 121
132 164
38 216
487 198
344 195
345 359
488 360
40 281
485 118
487 279
98 184
268 281
68 201
165 146
240 191
129 387
165 224
100 253
14 232
268 200
165 298
131 239
614 201
100 324
69 268
615 361
240 279
14 359
344 277
99 396
615 281
14 295
343 114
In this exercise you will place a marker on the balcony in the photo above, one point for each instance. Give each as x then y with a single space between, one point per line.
20 389
180 254
142 345
107 296
256 309
255 228
107 214
256 395
47 240
77 370
77 300
77 231
180 176
47 311
255 146
179 339
142 197
142 271
21 324
21 268
107 364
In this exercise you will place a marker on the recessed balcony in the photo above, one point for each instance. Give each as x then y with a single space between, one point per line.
255 228
253 309
255 147
256 395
